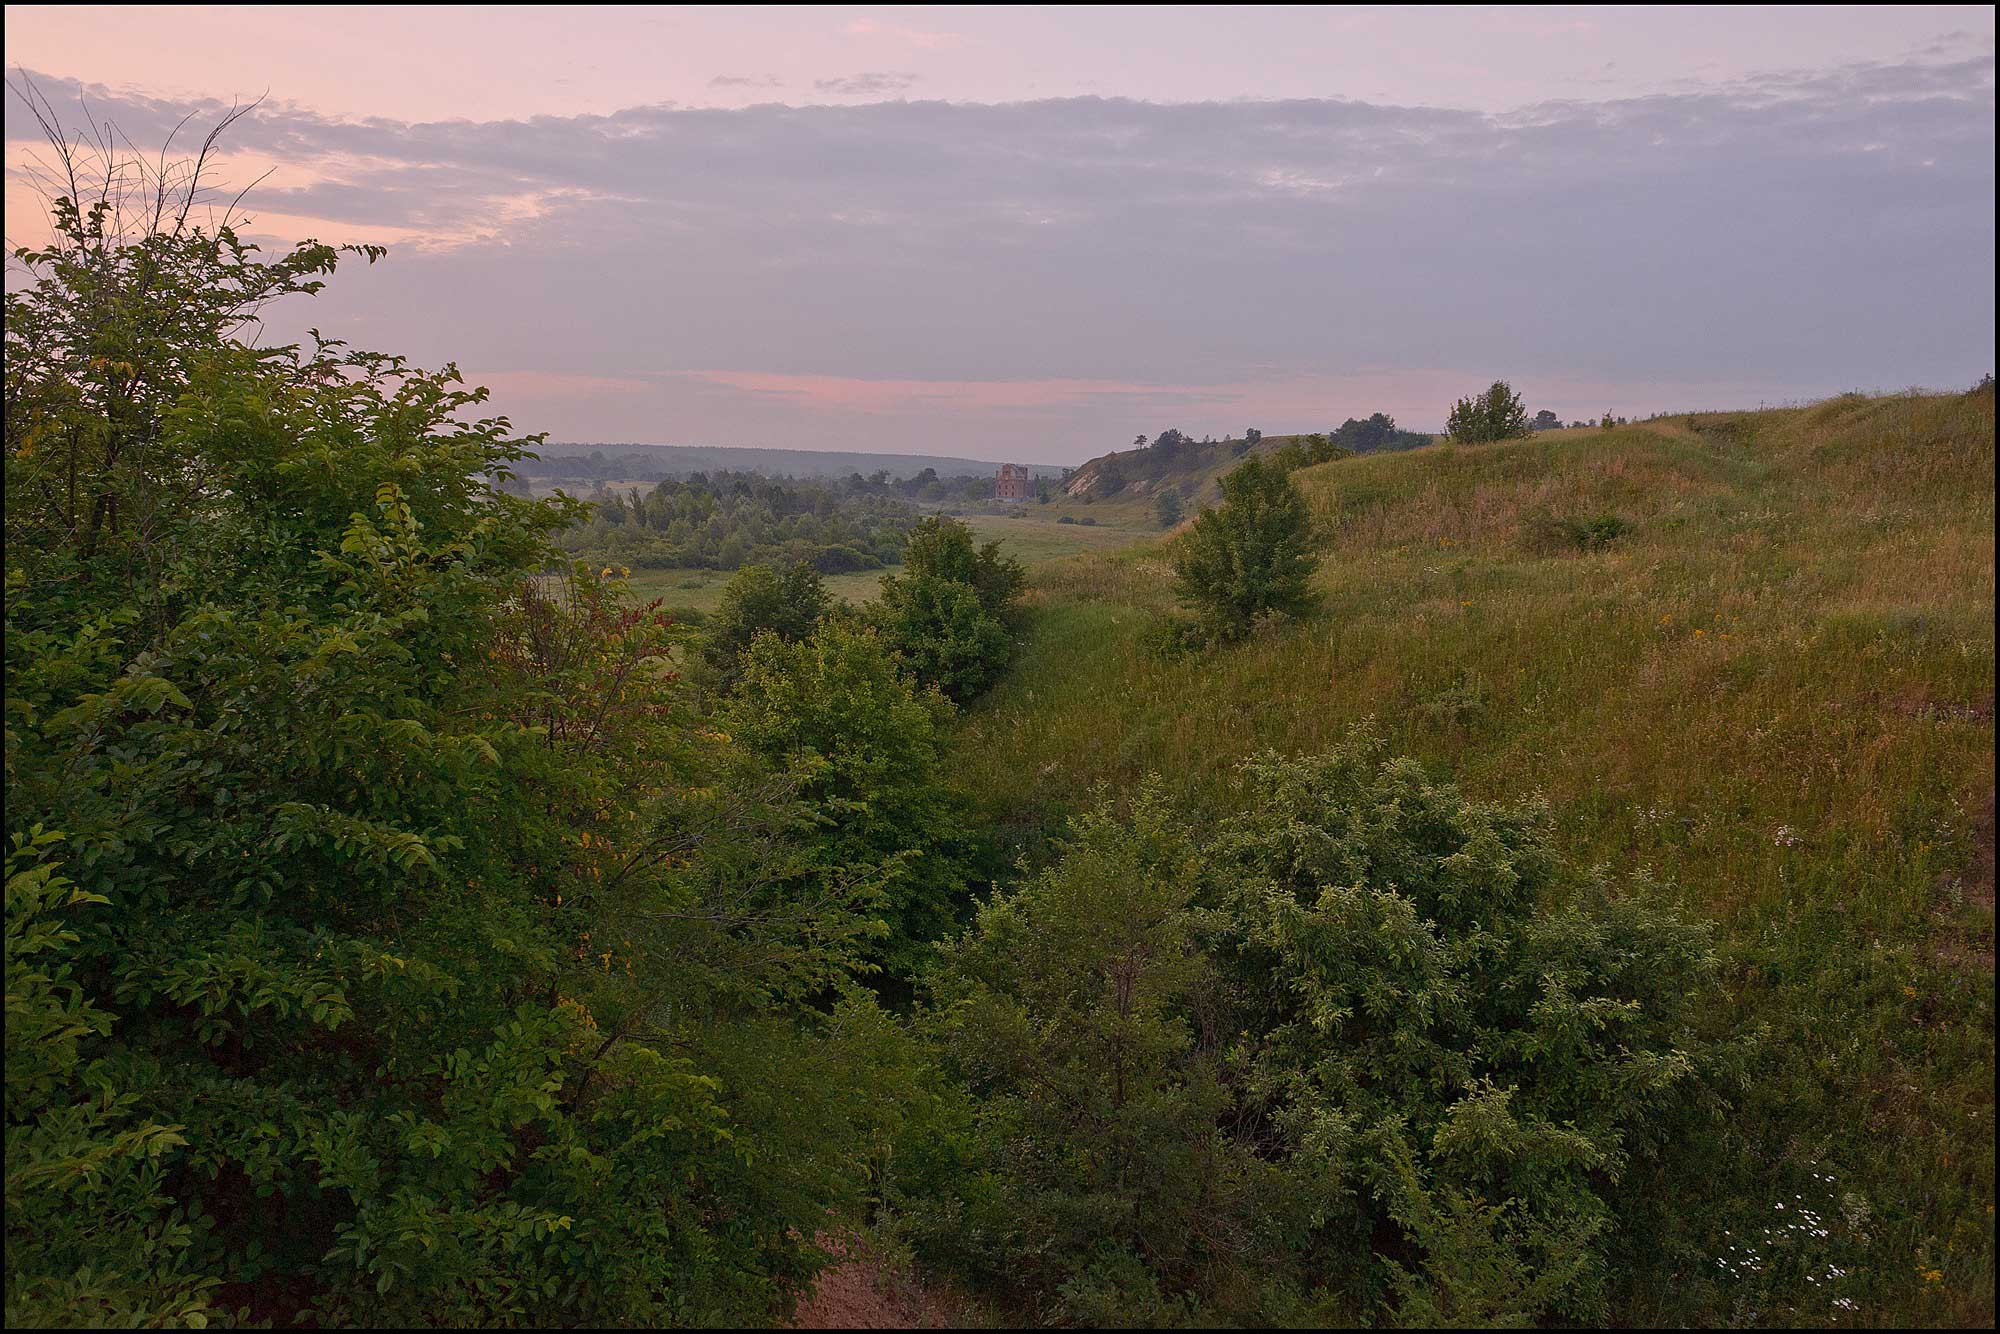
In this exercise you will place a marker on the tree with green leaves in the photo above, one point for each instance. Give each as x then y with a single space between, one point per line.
1249 557
1366 1052
760 600
942 548
950 615
386 941
864 747
1496 414
1378 430
1167 509
942 634
1077 1014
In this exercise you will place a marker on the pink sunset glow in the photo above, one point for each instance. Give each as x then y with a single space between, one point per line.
1040 232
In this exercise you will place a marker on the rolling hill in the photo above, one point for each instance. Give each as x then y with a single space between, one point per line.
1749 656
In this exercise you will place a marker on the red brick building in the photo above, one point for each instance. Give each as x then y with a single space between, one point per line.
1011 482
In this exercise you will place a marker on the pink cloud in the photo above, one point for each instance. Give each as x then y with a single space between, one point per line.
852 394
1417 397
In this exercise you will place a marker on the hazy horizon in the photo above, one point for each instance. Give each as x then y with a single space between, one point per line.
975 234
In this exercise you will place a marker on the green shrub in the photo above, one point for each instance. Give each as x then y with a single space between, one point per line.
949 616
760 600
1367 1041
1567 532
1251 556
1496 414
863 747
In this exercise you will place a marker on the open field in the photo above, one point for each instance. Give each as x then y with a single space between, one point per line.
701 590
1773 694
1030 536
1028 539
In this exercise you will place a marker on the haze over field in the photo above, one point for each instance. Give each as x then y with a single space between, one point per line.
966 233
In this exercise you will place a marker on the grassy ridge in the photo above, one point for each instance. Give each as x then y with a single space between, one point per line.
1774 692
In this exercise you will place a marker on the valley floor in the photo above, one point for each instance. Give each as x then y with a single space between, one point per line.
1022 534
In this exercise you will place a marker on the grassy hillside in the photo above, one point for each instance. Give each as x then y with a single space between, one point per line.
1774 692
1121 486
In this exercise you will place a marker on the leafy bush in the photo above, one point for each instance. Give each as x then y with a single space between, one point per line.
845 560
1567 532
1496 414
1249 557
863 747
1368 1045
942 633
760 600
949 617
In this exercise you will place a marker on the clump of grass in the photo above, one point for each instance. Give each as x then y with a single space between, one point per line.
1457 704
1570 532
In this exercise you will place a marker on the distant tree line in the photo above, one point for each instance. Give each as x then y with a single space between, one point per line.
579 472
726 520
1378 431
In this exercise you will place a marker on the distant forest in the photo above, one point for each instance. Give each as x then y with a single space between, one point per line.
726 520
569 463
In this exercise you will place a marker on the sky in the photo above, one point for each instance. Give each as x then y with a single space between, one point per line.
1032 233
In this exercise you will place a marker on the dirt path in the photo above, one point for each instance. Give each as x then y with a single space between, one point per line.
859 1293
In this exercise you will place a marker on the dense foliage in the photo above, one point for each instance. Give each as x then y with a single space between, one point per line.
950 614
789 604
1249 557
727 520
386 944
1334 1061
1496 414
1377 431
865 746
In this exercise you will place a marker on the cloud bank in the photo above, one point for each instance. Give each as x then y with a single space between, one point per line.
1041 280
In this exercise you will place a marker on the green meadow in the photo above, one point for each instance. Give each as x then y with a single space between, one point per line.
1025 536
